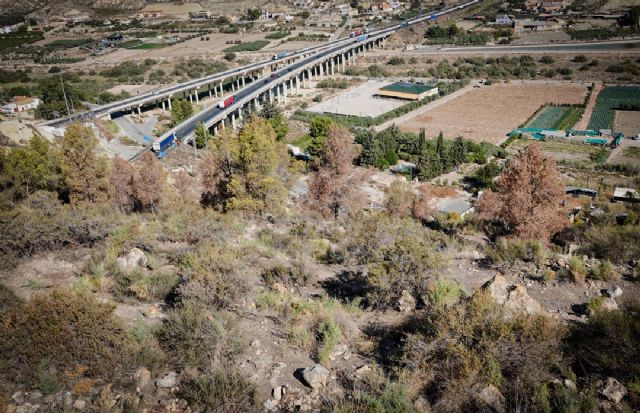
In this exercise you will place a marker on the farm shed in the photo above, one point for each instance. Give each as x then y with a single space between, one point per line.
459 206
577 191
626 195
407 90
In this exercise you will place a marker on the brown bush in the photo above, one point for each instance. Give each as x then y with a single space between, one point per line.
65 330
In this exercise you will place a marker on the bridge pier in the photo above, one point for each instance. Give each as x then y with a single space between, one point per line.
270 95
197 97
243 84
256 104
284 92
233 120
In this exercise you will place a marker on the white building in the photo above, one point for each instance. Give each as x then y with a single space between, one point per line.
20 104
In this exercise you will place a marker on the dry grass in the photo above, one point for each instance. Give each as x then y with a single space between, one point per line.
488 113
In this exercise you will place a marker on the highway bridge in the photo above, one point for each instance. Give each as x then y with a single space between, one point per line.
254 84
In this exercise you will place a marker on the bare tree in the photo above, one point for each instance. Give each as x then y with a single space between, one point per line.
332 186
527 196
148 182
121 179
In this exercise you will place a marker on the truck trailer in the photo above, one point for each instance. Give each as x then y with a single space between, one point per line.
162 144
225 103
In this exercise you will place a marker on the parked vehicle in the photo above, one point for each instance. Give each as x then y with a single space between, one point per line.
228 101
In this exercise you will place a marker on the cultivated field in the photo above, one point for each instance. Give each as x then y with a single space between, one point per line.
627 122
488 113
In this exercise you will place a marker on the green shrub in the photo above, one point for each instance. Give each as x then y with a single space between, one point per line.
603 270
393 398
445 292
510 251
221 392
615 243
61 330
328 334
578 270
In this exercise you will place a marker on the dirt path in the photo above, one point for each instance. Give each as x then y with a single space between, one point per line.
583 123
408 116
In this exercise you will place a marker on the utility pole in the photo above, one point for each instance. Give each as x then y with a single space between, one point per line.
65 96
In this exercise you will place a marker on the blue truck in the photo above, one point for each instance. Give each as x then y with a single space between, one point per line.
361 38
162 144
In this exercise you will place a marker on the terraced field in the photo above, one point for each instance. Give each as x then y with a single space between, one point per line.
556 117
611 98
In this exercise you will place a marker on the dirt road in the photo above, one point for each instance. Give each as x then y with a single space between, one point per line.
584 120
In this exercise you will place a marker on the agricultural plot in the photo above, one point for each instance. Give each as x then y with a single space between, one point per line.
627 122
556 117
512 104
248 46
611 98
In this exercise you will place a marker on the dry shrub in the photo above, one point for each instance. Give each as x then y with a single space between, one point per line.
218 278
616 243
609 344
7 298
400 254
453 352
83 387
65 330
41 223
194 336
221 392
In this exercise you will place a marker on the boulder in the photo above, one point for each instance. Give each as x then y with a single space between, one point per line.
362 370
338 351
79 404
316 376
35 395
406 302
614 292
519 300
491 397
278 392
609 304
133 260
168 381
18 397
142 378
498 288
569 384
613 390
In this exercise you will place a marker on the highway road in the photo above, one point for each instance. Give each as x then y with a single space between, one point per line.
181 87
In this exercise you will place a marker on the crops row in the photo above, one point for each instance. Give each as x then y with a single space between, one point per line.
569 118
609 99
548 117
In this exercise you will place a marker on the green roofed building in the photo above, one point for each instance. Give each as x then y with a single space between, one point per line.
408 91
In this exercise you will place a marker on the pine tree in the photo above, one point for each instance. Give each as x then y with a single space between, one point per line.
202 135
457 151
246 171
85 175
33 168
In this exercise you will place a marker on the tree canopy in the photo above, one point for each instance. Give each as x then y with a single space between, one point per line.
526 197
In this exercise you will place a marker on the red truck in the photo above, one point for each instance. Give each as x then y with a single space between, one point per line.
358 32
224 103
